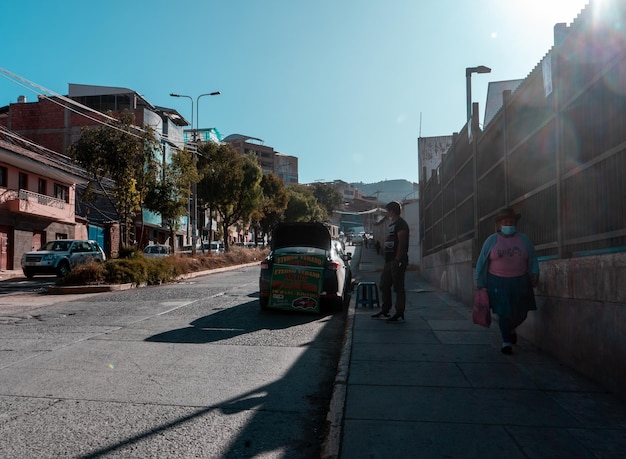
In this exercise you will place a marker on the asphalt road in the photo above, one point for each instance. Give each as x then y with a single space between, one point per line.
192 369
22 285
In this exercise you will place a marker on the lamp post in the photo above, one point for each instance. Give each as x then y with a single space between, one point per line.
214 93
194 192
468 80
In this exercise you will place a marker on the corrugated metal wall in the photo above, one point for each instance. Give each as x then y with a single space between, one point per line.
557 155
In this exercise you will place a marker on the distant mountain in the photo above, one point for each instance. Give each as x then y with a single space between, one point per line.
389 190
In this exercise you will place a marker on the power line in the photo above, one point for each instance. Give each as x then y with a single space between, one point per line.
69 104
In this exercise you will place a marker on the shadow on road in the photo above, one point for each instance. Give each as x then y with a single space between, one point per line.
270 429
228 324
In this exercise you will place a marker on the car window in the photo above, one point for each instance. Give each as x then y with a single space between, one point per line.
300 250
61 246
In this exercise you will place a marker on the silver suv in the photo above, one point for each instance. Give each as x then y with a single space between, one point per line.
58 257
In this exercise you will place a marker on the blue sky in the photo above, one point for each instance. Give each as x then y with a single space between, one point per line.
347 86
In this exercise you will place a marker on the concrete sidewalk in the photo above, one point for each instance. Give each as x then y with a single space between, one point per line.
437 386
6 274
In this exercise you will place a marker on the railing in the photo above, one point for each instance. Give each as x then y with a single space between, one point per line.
42 199
558 157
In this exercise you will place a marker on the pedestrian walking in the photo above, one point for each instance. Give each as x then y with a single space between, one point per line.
395 250
508 269
377 245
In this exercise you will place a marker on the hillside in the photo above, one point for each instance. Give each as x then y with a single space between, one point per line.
389 190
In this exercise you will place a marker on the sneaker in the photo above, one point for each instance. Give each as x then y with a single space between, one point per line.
379 315
396 317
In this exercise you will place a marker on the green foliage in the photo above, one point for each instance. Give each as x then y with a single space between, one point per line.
90 273
126 270
139 270
274 202
303 205
170 196
128 155
327 197
231 185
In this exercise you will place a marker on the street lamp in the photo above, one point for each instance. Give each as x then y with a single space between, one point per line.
468 80
214 93
194 192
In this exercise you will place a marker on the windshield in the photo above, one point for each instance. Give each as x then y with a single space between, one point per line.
156 249
57 246
299 250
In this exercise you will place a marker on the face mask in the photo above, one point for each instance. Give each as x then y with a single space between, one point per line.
508 230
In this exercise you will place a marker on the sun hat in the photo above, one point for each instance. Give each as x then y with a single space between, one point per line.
507 212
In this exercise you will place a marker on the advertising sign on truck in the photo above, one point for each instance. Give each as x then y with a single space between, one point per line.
296 282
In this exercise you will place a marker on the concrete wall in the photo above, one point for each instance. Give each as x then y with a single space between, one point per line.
451 270
581 309
411 213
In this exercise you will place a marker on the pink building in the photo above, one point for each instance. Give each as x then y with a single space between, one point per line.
37 198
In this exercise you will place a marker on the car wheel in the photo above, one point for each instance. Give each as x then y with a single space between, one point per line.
28 273
63 269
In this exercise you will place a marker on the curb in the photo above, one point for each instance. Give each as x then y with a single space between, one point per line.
331 447
75 289
332 443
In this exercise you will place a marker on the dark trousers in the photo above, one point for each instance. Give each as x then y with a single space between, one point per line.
511 298
508 325
393 276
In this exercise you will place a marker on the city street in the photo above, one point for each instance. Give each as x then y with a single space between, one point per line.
192 369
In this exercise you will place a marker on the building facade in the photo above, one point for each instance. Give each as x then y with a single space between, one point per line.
56 122
271 162
37 198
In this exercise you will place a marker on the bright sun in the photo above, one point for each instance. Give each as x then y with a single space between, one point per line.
541 12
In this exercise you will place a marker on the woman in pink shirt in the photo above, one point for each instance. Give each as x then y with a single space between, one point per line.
508 269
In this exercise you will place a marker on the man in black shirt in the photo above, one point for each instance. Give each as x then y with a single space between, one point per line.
395 249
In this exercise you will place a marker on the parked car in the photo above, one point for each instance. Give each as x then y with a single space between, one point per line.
357 239
214 247
304 268
60 256
157 250
247 245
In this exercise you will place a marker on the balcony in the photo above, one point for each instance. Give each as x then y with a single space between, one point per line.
38 205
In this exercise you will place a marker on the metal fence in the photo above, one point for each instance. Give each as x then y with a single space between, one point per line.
556 152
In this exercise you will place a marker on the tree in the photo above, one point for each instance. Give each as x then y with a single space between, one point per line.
275 201
303 205
170 196
126 154
231 185
328 198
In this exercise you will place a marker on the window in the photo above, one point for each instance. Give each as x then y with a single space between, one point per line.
23 181
4 176
42 186
61 192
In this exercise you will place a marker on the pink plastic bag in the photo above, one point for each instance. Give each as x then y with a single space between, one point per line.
481 314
